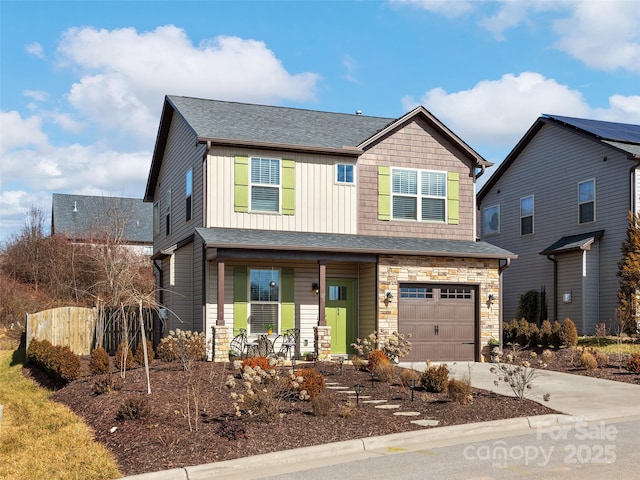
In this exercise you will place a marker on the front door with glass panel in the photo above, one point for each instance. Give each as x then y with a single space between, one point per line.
340 313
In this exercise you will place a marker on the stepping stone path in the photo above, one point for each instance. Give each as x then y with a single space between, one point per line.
381 404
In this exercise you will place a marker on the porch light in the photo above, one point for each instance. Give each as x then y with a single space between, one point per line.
387 297
315 288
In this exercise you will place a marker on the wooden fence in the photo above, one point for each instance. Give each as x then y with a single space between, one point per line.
78 327
71 326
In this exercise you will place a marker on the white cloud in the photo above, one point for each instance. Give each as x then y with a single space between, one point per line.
16 131
447 8
603 35
127 73
351 68
35 49
511 15
497 113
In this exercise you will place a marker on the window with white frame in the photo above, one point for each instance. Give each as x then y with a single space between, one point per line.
188 194
345 173
587 201
491 220
264 300
419 195
526 215
265 184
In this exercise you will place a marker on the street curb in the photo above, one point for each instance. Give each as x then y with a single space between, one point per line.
351 447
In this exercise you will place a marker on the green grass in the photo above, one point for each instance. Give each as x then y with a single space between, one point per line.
40 438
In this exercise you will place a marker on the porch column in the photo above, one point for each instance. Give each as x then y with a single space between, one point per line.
322 274
220 314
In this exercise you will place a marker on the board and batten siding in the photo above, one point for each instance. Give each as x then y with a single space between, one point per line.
367 300
321 205
416 146
550 168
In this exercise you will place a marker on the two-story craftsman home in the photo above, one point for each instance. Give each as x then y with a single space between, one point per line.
560 201
334 224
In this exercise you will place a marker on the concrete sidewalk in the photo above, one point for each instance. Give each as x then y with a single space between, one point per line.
579 398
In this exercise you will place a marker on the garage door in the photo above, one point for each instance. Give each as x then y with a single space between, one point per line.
441 320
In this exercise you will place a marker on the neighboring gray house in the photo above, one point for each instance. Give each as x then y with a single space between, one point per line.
560 201
91 219
333 224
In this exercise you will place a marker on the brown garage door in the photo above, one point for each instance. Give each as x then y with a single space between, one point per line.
441 320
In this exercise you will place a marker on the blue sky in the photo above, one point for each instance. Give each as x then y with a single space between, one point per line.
82 82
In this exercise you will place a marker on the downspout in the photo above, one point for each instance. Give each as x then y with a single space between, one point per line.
205 168
555 283
501 268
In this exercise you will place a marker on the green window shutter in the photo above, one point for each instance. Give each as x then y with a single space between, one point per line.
288 187
241 184
453 198
240 297
287 304
384 193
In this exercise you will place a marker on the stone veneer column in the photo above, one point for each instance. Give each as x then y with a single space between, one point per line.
221 340
322 341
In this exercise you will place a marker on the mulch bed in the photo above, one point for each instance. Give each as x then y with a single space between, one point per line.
162 440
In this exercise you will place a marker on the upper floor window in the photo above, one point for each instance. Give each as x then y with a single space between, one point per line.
587 201
491 220
526 215
419 195
167 212
265 184
345 173
188 194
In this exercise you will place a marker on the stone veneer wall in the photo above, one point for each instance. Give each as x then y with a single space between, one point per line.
221 340
407 269
322 341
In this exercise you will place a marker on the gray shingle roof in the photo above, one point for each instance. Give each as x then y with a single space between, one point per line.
270 124
573 242
341 243
79 216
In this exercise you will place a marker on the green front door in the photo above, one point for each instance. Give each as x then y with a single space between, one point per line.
340 313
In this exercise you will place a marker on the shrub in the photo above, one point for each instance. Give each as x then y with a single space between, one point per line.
139 355
375 358
569 333
408 374
459 391
588 361
253 362
106 384
188 346
168 349
509 331
121 360
545 334
396 345
99 361
633 363
548 356
556 334
133 408
435 379
313 382
358 363
321 405
528 306
602 358
58 362
385 372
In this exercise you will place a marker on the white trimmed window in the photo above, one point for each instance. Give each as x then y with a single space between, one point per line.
491 220
587 201
167 212
188 194
345 173
526 215
265 184
264 300
419 195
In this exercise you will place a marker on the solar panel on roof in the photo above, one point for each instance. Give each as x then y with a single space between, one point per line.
623 132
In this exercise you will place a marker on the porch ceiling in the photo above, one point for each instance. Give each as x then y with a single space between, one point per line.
232 238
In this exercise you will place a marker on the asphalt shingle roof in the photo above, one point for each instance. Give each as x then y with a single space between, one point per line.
342 243
217 119
78 216
573 242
